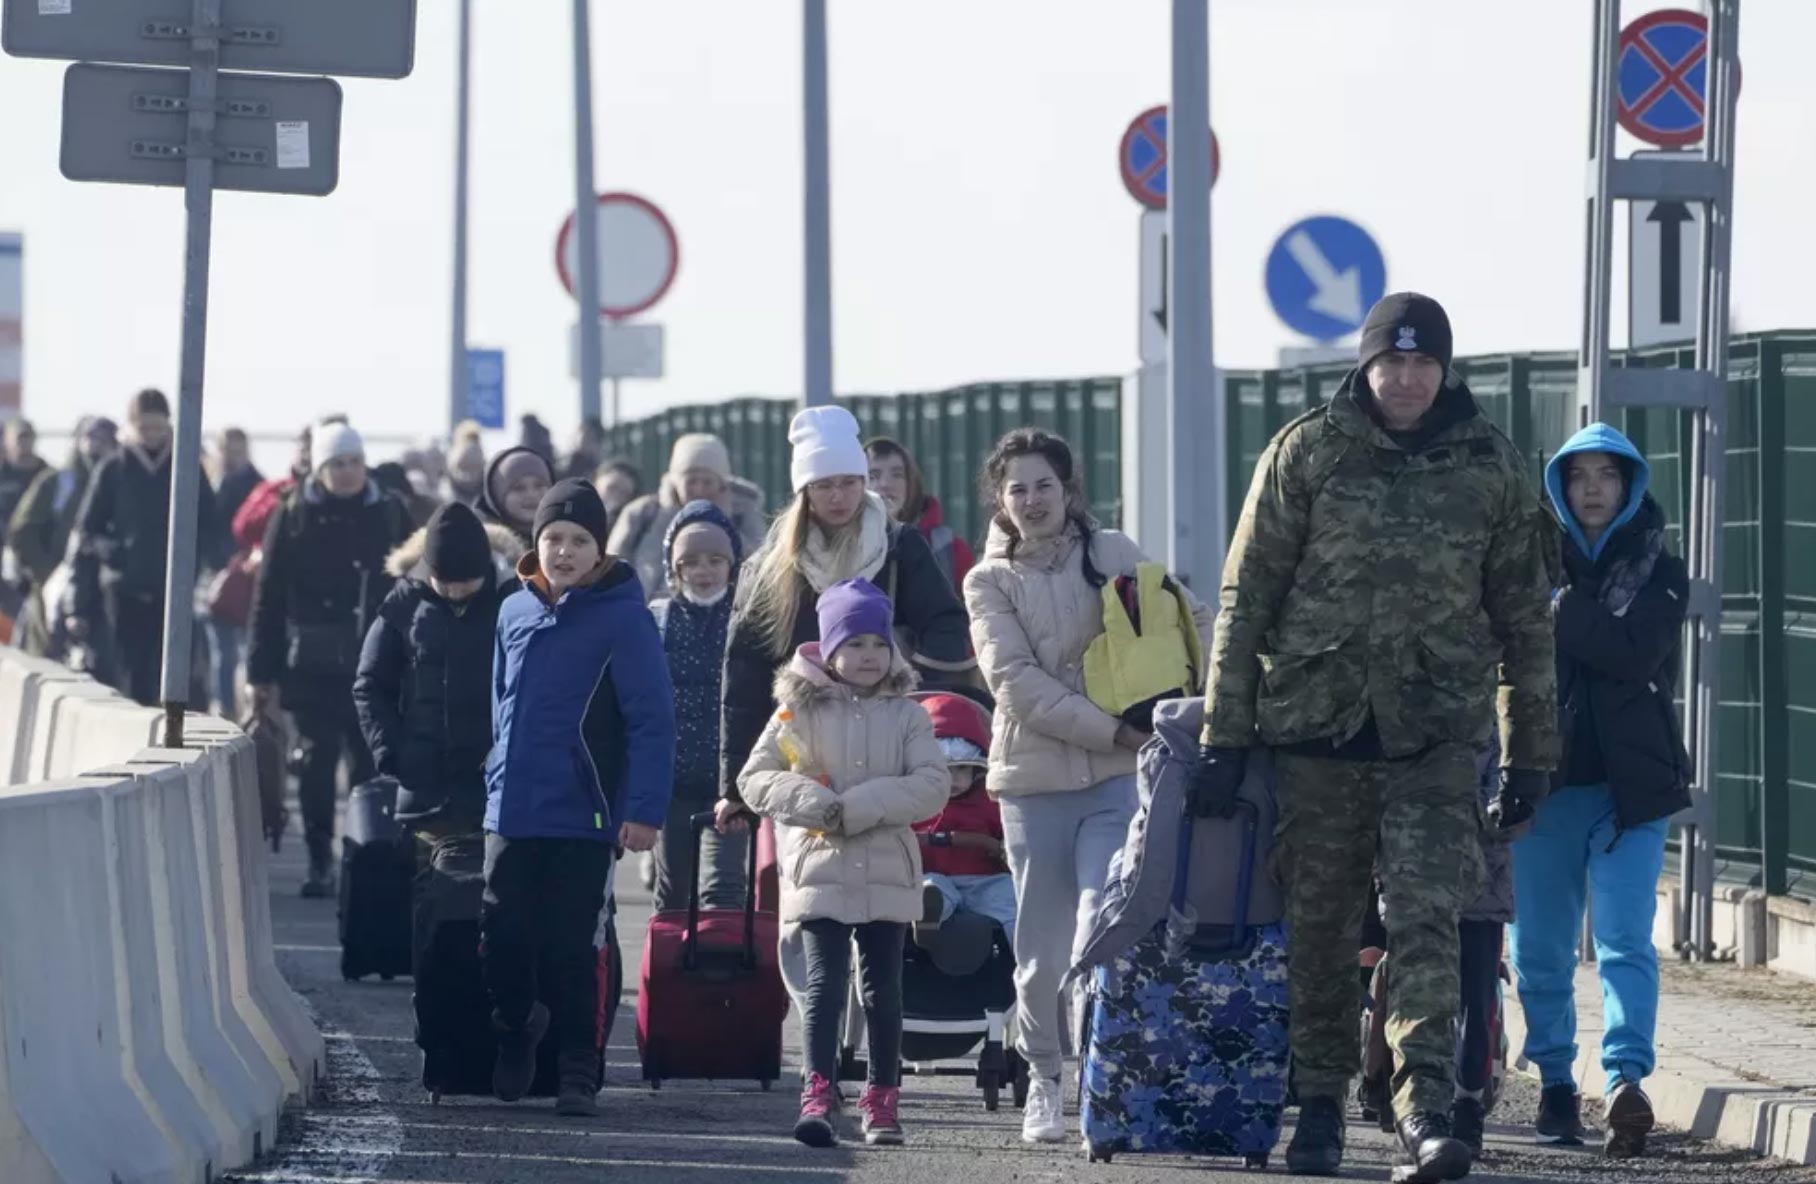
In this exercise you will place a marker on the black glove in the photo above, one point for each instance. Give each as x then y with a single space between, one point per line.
1518 798
1216 780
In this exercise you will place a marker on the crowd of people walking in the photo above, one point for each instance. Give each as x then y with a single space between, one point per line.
1465 691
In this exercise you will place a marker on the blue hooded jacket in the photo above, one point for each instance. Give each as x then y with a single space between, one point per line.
1597 437
694 637
583 714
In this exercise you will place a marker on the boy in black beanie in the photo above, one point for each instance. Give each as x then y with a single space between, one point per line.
583 761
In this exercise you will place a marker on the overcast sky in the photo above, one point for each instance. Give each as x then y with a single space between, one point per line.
981 230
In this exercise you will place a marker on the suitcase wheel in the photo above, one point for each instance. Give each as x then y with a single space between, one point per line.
435 1097
765 1084
992 1089
655 1083
386 978
1097 1153
1256 1162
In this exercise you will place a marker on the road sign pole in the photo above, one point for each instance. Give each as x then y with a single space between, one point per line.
1195 407
186 447
817 212
457 349
586 211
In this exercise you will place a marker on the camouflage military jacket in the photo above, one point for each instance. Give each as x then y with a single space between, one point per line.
1413 583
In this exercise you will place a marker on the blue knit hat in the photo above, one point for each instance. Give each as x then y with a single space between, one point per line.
852 608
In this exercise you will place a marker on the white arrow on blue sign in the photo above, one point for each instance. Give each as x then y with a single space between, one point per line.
1323 275
485 387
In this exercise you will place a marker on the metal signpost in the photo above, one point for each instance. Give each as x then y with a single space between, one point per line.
484 387
637 257
12 324
584 189
204 130
816 208
457 329
1323 275
1671 78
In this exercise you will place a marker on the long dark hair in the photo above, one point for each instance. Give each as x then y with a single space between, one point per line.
1057 453
915 503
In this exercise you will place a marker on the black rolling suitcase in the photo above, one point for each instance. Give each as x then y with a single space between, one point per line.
378 863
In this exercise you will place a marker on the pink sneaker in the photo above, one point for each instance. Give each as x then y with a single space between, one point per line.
817 1126
881 1127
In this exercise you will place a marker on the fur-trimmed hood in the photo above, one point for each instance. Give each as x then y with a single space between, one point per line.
805 679
407 557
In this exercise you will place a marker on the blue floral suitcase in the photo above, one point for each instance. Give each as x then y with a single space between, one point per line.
1185 1035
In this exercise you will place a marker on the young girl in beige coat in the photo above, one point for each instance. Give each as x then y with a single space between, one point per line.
845 767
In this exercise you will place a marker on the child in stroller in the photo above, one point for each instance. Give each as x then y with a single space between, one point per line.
958 977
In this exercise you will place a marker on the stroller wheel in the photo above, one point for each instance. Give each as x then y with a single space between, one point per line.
1256 1162
993 1090
435 1097
1018 1079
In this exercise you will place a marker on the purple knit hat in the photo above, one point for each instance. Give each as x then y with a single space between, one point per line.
850 609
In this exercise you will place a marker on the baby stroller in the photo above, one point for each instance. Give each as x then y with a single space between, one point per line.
957 991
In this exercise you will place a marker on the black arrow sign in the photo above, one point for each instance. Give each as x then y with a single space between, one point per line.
1670 216
1160 314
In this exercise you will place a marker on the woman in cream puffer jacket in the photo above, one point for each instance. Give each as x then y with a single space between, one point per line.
1061 767
845 847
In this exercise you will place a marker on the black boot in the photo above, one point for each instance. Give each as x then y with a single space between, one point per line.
579 1096
1317 1146
1560 1115
319 883
515 1069
1466 1121
1629 1121
1428 1150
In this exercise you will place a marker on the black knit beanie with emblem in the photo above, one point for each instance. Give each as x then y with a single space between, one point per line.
455 545
1408 323
573 501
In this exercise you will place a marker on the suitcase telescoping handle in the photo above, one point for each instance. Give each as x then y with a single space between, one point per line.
1240 933
699 822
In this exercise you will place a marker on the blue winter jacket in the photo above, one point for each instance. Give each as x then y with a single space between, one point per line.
583 714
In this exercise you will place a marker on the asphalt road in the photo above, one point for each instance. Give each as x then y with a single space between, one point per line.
376 1124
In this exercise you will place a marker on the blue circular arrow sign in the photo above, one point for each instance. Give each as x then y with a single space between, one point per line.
1323 275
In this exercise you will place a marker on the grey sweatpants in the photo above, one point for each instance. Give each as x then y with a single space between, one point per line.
1060 846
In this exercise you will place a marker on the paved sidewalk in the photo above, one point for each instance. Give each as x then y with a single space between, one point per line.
1736 1054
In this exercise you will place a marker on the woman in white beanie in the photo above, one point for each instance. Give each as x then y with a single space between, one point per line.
699 469
834 530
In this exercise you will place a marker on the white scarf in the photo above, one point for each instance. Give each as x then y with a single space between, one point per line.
817 560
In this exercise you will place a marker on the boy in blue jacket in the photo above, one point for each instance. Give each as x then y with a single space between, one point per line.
583 756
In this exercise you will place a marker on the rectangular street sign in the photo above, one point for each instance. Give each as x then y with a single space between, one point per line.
1664 267
626 350
1152 332
273 134
485 387
357 38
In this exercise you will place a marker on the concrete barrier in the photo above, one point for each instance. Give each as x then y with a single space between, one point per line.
145 1033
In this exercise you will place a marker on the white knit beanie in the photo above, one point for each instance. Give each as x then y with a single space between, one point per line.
331 441
826 445
699 450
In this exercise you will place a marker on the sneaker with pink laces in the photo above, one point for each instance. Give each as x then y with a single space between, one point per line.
818 1124
881 1126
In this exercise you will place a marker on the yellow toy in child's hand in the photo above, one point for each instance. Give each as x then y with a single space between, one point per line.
796 756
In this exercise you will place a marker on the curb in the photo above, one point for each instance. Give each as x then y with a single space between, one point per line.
1705 1100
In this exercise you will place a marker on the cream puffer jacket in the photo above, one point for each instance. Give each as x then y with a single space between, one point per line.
844 847
1032 618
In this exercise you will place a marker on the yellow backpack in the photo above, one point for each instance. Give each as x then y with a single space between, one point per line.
1149 649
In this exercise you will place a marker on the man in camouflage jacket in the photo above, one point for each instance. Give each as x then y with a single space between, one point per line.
1385 596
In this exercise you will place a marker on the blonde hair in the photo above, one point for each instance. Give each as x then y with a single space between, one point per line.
775 588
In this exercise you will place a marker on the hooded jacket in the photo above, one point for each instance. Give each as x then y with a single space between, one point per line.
583 713
1620 616
1033 616
928 616
693 636
972 812
869 769
40 529
640 531
1389 588
490 510
125 520
424 686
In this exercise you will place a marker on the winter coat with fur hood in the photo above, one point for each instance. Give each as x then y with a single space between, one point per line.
424 687
639 534
1032 618
845 846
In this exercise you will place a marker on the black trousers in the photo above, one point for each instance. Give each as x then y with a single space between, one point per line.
542 903
827 944
327 726
136 628
1480 943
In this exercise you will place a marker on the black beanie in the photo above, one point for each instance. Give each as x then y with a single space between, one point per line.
572 500
1409 323
457 548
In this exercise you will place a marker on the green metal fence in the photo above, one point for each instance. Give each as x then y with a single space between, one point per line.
1766 788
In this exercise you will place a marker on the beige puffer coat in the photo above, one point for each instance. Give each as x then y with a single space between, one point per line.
844 849
1032 618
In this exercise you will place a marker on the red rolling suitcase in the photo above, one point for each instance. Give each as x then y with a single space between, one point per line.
711 1003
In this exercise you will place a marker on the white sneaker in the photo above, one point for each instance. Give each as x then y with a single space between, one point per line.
1043 1119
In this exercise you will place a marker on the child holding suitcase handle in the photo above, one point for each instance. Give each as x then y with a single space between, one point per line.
845 767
